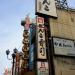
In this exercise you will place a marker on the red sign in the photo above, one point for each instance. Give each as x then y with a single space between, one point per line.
40 20
42 68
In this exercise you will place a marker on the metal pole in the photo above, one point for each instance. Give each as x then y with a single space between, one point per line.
13 67
13 56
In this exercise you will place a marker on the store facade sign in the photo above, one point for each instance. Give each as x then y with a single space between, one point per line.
31 57
63 65
25 41
42 68
64 47
41 44
31 49
46 7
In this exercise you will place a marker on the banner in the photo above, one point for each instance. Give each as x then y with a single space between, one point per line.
25 49
17 63
46 7
42 68
31 57
41 43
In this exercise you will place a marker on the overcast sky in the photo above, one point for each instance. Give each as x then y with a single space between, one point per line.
11 14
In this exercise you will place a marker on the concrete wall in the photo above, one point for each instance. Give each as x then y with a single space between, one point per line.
64 25
64 66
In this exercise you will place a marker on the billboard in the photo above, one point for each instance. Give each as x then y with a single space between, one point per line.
41 44
46 7
63 47
42 68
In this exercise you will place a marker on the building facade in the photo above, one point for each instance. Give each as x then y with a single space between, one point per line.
64 25
62 32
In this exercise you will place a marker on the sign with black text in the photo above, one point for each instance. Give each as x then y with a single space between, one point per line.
46 7
64 47
41 44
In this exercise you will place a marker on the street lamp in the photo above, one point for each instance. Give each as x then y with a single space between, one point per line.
13 58
7 53
15 50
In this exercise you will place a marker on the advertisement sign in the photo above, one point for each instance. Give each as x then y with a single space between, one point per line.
64 47
41 44
25 41
31 49
31 57
46 7
25 49
42 68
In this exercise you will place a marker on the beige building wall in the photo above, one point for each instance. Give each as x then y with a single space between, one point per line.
64 66
64 25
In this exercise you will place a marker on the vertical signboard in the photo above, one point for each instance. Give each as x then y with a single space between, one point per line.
26 41
41 44
42 68
31 57
46 7
25 49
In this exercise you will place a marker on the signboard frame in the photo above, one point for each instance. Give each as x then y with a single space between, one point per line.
52 9
41 44
67 53
42 66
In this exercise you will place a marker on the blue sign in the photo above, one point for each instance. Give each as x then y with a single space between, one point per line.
31 57
31 50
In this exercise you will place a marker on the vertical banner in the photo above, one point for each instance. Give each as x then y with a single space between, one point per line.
31 50
41 43
46 7
25 41
42 68
31 57
25 49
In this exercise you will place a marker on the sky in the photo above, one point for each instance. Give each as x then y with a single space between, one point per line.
11 14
